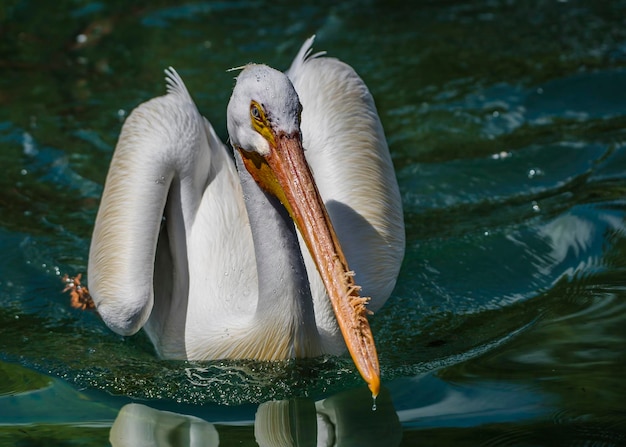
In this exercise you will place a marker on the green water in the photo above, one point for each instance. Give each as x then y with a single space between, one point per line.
506 122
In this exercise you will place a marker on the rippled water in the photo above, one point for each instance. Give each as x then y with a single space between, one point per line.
506 124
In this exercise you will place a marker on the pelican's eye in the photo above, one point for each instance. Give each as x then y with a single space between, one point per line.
256 112
260 123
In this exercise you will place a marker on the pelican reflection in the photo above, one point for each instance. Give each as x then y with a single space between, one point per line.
344 419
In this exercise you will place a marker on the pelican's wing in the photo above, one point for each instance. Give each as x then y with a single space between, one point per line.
163 143
346 149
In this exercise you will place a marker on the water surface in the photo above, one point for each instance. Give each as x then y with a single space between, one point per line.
506 125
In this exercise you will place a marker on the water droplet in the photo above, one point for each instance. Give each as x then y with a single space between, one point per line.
536 208
373 403
501 155
81 38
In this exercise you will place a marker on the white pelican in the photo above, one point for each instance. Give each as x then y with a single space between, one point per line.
202 251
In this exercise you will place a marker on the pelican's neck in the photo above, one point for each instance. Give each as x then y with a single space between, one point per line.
283 286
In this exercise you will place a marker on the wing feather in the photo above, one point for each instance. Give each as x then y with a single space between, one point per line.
162 139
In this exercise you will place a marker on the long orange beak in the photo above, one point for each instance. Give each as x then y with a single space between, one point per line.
285 173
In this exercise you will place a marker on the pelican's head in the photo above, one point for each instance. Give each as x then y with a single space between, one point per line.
263 106
264 127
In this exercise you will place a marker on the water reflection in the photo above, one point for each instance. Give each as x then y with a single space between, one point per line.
344 419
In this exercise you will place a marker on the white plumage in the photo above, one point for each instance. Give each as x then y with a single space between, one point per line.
178 251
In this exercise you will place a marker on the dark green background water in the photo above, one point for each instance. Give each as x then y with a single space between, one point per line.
506 122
